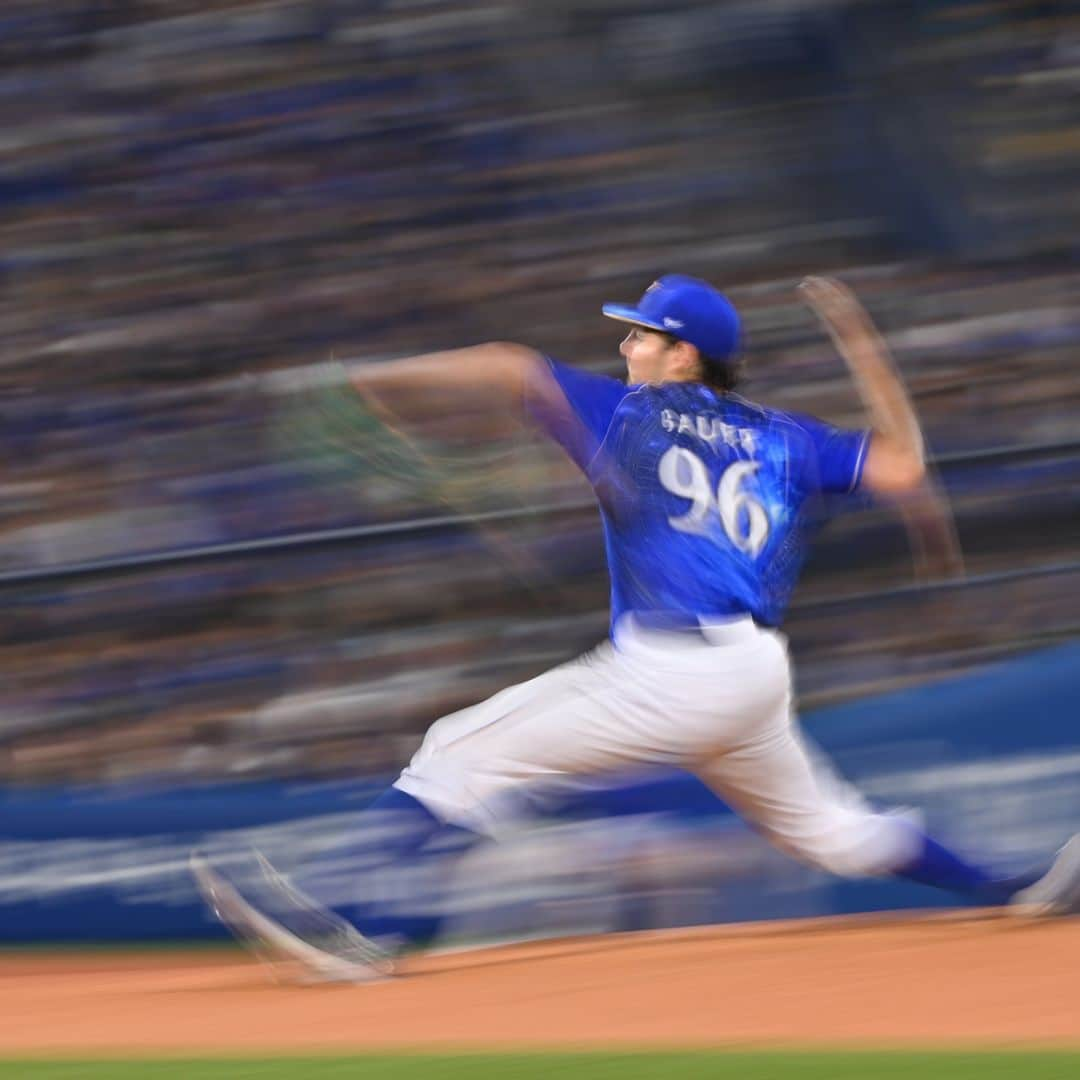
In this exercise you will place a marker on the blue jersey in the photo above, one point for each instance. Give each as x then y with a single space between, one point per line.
707 499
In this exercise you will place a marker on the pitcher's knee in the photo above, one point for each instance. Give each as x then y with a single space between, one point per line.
857 845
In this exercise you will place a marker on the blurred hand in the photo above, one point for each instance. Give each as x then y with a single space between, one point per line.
838 308
925 509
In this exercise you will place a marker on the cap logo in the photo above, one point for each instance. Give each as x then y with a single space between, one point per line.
675 324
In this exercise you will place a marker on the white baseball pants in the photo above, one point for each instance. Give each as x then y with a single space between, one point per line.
718 705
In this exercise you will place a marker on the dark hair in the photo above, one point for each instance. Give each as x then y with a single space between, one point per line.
722 375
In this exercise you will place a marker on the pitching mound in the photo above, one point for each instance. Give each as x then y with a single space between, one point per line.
977 979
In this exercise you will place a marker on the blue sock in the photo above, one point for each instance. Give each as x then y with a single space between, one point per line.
414 823
408 830
936 865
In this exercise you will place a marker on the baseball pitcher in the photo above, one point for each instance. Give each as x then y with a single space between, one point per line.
708 501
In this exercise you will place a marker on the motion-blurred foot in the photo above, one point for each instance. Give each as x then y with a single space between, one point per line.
1057 892
279 922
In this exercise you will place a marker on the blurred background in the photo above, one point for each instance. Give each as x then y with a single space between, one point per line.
211 589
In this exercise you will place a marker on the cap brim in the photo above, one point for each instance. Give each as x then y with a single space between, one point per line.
626 313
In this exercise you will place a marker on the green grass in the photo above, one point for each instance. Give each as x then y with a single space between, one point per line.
588 1066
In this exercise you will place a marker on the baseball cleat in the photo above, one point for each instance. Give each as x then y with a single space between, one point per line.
279 922
1057 892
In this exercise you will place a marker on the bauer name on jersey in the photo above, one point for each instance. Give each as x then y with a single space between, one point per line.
707 499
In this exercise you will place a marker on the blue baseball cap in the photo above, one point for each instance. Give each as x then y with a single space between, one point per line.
689 309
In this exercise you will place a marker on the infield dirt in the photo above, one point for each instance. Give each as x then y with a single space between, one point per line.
972 980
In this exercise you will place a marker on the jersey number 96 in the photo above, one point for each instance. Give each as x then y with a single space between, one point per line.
744 520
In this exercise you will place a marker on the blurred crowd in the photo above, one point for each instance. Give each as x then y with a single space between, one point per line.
204 202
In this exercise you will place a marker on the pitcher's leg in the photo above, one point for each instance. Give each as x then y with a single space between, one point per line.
573 720
785 787
406 855
466 778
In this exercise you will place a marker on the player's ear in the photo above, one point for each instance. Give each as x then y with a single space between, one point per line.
690 362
